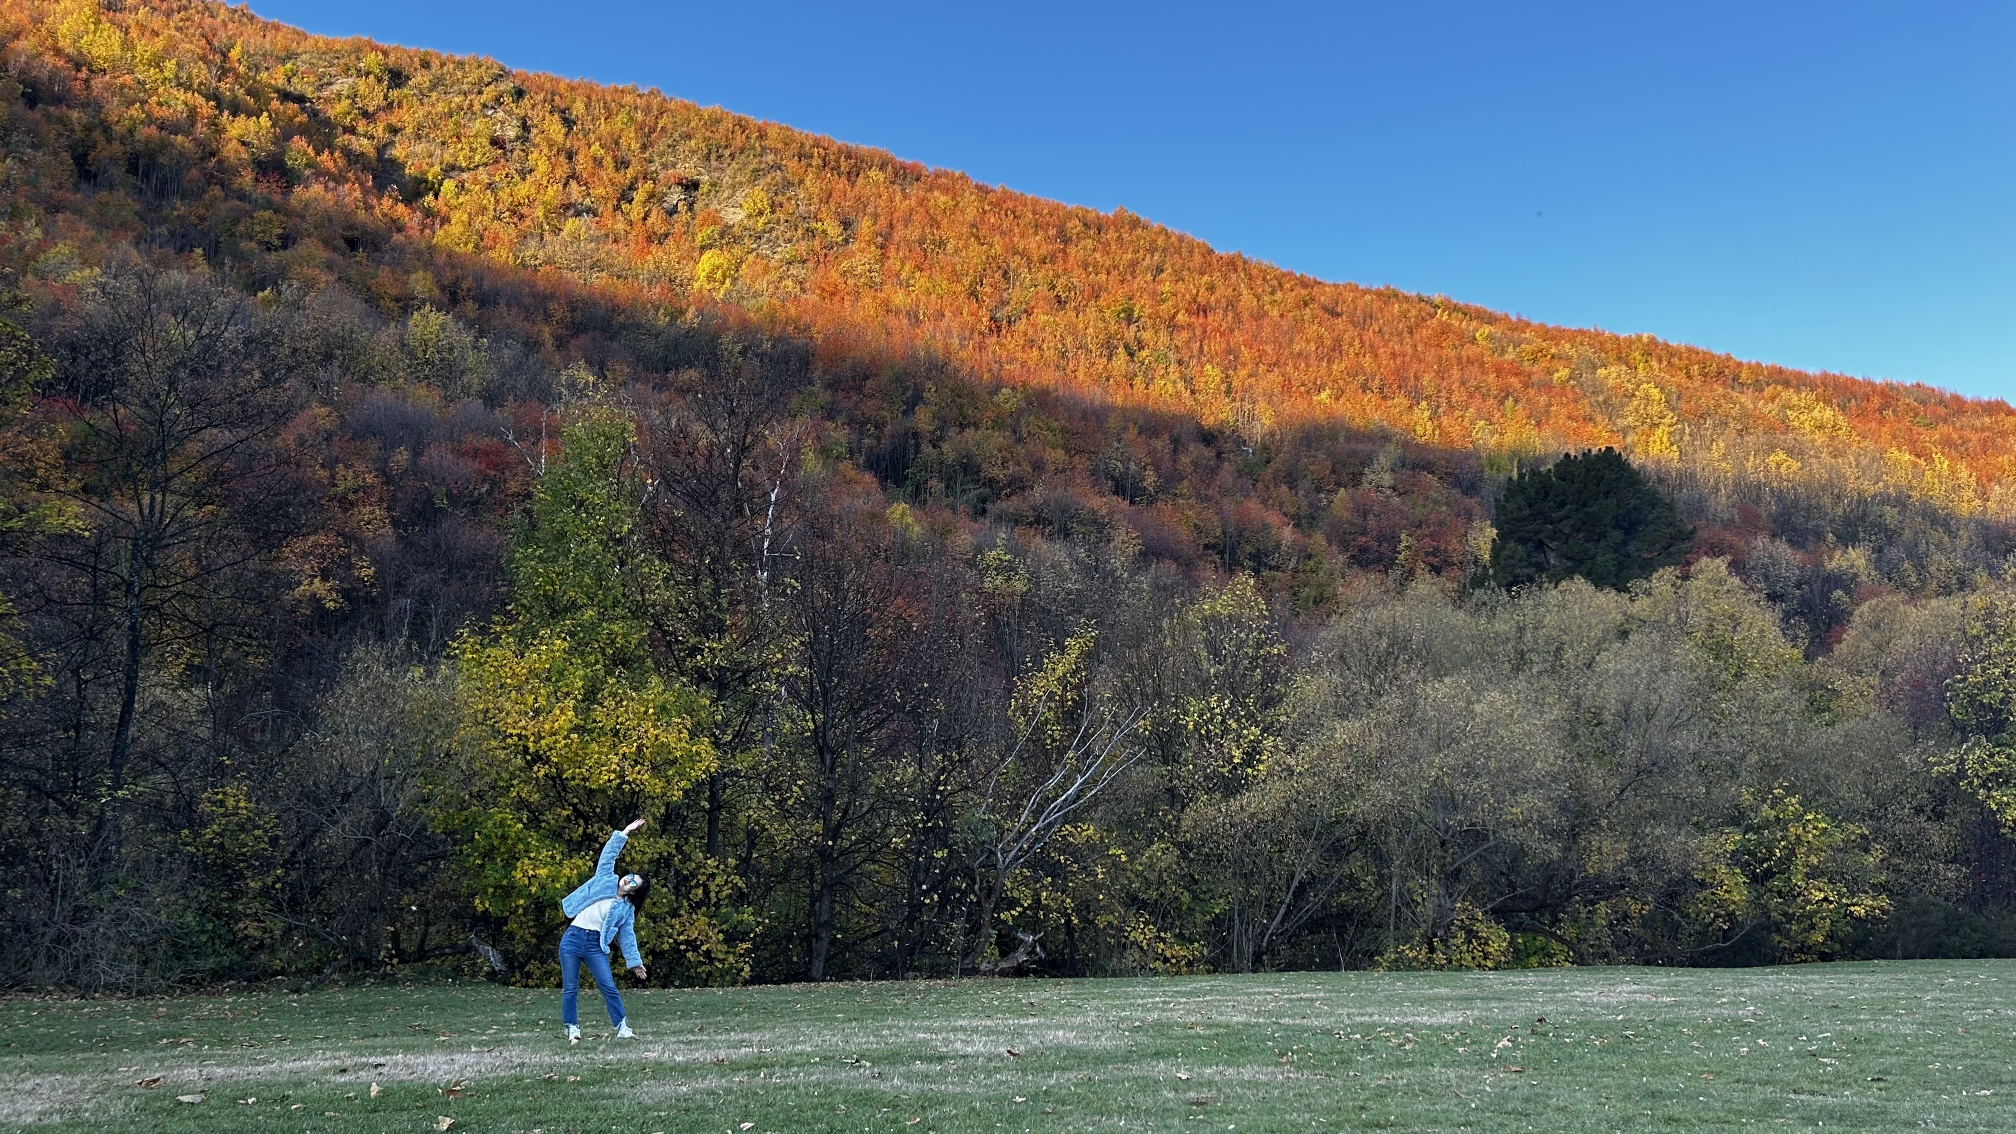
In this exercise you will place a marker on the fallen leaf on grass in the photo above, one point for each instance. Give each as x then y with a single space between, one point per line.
1012 1053
248 1102
149 1081
1181 1077
1707 1076
1018 1098
189 1098
915 1121
746 1126
1515 1070
376 1090
443 1122
573 1078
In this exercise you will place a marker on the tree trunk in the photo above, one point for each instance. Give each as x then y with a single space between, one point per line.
824 871
822 925
989 896
1025 953
122 732
1241 937
714 815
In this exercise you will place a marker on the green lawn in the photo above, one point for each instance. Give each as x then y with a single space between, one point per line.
1882 1046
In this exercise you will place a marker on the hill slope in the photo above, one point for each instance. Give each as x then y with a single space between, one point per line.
411 470
247 138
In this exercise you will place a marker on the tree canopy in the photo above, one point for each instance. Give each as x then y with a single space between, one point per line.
411 469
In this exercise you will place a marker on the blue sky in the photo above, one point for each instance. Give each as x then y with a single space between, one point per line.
1825 186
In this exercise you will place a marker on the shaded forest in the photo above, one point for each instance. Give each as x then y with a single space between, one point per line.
413 469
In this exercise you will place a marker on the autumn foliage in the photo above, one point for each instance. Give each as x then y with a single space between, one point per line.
254 137
412 469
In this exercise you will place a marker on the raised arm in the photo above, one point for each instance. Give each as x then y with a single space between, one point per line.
607 863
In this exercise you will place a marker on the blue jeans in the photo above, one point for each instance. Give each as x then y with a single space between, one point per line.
579 947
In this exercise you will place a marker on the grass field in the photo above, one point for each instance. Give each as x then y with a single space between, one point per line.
1848 1047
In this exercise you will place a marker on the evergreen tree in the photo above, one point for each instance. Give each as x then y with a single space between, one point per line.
1590 514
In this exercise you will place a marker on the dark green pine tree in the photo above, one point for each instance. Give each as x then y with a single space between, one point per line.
1590 514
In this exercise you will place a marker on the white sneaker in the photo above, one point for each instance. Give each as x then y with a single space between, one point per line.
623 1031
573 1033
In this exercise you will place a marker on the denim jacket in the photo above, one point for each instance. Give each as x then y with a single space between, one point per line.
621 924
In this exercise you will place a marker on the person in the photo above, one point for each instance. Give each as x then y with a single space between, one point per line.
603 912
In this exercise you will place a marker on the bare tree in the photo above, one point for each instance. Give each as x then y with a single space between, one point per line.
169 418
854 653
1021 809
365 870
719 451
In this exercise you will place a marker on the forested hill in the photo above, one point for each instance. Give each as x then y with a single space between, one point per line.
411 469
250 136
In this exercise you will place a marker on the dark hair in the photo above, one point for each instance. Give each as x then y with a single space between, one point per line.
642 892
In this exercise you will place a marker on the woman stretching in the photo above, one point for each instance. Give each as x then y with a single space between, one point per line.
604 909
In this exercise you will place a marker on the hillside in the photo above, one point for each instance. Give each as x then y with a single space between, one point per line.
412 470
250 137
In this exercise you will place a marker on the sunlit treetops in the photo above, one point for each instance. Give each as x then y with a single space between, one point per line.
239 137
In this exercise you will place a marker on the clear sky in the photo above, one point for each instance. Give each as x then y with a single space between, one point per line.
1830 186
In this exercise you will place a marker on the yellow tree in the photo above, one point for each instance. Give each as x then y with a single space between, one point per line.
1793 873
575 729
